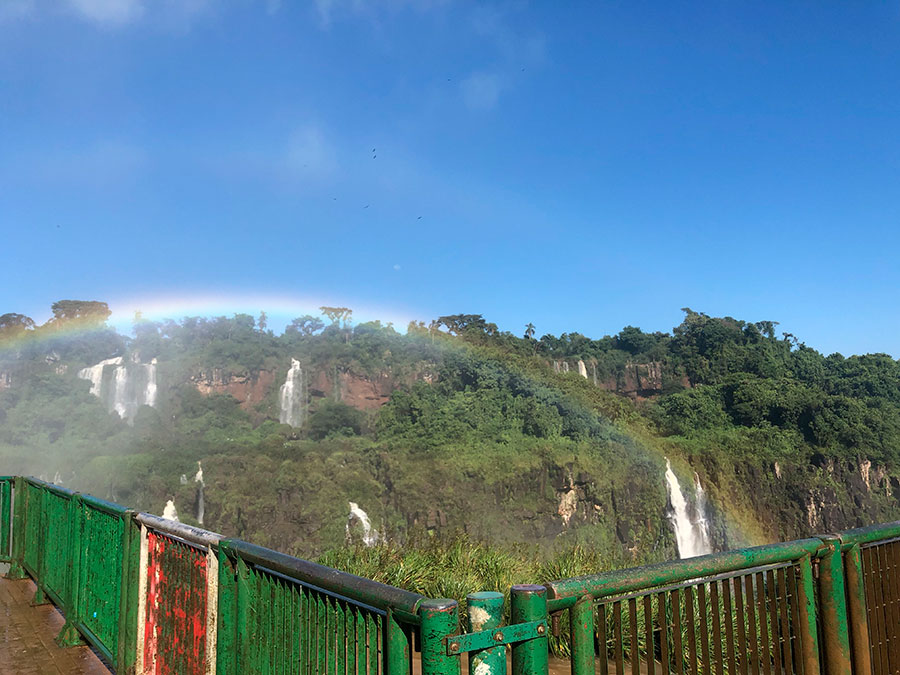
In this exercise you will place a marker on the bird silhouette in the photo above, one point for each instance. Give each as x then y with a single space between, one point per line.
419 218
366 206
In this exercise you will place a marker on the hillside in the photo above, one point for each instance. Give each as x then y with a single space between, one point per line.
453 427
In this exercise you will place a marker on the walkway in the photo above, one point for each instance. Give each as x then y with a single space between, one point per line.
26 637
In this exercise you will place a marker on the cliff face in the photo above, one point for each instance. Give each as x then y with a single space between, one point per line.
249 389
637 380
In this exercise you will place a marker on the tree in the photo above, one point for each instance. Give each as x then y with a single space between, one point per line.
263 322
529 331
305 325
91 312
338 315
15 323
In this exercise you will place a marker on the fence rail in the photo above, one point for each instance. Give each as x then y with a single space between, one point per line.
157 596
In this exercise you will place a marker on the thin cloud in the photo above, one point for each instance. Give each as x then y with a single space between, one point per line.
481 91
110 13
103 163
15 9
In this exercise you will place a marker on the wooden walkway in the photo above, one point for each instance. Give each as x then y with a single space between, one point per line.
27 633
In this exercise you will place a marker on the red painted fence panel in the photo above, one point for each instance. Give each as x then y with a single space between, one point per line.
175 628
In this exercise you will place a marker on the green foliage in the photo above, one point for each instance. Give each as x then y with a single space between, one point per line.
334 417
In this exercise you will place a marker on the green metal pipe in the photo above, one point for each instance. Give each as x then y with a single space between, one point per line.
439 623
866 535
833 608
808 628
529 603
16 567
564 593
485 612
582 622
856 610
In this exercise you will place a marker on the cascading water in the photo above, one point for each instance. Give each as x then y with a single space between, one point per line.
170 512
293 397
582 369
201 507
124 388
357 515
689 522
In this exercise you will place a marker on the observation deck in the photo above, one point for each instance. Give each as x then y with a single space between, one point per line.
149 595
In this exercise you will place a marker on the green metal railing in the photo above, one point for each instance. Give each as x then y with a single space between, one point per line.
156 596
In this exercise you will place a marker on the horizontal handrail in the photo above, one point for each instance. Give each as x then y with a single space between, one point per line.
370 592
110 508
51 487
866 535
563 593
189 533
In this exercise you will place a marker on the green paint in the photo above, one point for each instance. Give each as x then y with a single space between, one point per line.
398 646
582 623
529 603
833 609
439 622
808 629
856 610
485 611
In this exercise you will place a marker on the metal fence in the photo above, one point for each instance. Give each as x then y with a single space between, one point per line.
157 596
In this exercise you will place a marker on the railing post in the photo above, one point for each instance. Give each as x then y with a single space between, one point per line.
581 619
835 632
856 608
808 628
40 598
440 622
529 603
68 636
16 569
485 612
126 649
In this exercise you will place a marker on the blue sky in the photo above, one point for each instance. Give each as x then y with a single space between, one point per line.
582 166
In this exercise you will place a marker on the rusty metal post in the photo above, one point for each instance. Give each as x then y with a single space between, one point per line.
808 628
440 622
835 631
529 603
485 612
581 618
16 570
856 610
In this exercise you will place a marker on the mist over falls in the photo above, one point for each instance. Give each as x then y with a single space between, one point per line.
123 386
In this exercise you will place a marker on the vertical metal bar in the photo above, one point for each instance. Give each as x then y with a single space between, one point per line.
485 612
617 637
765 652
691 627
704 629
581 619
835 631
440 621
676 632
785 622
16 570
773 616
729 626
753 643
529 603
602 639
361 662
893 596
808 628
398 651
648 633
321 635
717 657
633 644
741 630
663 621
796 628
242 620
875 581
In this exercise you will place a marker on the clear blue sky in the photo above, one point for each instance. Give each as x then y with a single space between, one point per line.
582 166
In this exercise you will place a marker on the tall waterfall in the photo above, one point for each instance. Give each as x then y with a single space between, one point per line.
293 396
582 369
688 520
201 506
123 387
357 515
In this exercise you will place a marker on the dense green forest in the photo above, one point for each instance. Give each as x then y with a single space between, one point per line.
456 428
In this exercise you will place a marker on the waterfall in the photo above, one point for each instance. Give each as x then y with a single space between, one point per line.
582 369
122 387
201 507
293 396
357 515
689 522
170 512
